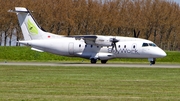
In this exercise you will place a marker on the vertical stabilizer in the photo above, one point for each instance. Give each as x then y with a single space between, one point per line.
29 27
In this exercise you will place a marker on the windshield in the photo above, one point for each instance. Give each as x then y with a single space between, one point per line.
148 44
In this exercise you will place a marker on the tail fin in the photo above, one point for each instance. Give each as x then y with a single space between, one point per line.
30 29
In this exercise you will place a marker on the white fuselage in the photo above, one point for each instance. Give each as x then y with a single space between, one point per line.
127 47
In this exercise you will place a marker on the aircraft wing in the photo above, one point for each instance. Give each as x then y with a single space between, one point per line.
97 40
88 39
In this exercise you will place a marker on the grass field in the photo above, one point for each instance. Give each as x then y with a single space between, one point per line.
26 54
40 83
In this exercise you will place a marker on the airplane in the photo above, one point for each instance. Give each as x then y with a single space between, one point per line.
92 47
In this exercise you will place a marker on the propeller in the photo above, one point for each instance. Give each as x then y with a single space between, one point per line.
114 41
136 35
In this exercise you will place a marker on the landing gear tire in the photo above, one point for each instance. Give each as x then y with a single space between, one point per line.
104 61
152 62
93 61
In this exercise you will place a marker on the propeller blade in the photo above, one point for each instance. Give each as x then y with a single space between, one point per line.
114 41
112 47
135 34
138 34
115 47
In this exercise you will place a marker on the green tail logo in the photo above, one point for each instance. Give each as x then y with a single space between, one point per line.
32 28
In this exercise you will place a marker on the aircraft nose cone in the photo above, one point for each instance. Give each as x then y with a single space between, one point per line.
164 54
157 53
160 53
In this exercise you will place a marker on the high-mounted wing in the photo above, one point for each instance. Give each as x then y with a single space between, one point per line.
94 40
88 39
99 40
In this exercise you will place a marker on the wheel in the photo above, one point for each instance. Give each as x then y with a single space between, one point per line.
152 62
104 61
93 61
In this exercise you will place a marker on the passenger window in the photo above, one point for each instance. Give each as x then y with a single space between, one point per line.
145 44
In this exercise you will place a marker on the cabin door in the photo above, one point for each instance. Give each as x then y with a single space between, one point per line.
71 48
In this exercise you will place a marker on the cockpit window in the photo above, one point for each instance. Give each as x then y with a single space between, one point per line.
145 44
148 44
152 44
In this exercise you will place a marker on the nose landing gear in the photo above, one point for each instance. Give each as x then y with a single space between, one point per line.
152 61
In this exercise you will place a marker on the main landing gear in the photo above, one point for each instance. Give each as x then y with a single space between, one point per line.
93 61
104 61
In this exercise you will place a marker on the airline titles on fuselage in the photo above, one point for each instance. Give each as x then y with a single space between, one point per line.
123 51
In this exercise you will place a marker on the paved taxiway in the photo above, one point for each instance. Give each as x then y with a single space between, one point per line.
89 65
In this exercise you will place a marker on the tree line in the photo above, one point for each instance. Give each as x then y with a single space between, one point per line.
156 20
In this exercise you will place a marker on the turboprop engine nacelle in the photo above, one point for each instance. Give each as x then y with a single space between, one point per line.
103 41
105 56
